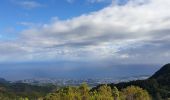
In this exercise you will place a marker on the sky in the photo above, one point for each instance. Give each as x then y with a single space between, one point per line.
96 33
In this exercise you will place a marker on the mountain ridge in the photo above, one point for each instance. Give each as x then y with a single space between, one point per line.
158 85
163 71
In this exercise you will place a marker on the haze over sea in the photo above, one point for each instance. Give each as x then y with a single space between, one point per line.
59 70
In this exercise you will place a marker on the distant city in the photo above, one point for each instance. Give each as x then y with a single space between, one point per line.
76 82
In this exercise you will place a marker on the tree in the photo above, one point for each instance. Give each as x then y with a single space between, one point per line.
134 93
115 93
66 93
84 91
104 93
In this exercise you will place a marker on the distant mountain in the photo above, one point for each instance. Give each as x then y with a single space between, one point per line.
158 85
2 80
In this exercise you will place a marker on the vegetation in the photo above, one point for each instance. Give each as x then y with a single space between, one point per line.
104 92
21 91
156 87
135 93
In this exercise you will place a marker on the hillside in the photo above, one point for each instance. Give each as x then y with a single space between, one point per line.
164 72
163 76
154 88
158 85
17 90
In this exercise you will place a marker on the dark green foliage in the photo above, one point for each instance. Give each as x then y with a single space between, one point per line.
164 71
157 85
12 91
32 91
163 79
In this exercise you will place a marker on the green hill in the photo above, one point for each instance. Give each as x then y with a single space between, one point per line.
12 91
163 77
164 72
158 85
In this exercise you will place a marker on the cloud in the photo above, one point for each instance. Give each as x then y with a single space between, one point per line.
29 4
70 1
137 32
99 1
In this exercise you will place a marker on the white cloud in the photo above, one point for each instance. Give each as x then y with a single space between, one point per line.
29 4
98 1
129 33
